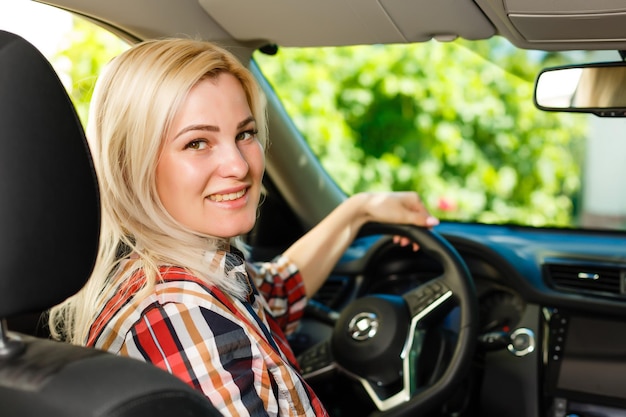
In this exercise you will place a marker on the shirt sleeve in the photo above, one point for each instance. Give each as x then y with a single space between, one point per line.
280 283
205 349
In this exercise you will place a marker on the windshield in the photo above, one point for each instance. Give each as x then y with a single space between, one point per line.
455 122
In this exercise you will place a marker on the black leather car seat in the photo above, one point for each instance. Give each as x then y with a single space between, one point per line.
49 229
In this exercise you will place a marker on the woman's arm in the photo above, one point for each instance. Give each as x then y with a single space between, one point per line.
317 252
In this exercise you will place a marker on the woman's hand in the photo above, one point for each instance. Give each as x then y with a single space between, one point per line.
404 207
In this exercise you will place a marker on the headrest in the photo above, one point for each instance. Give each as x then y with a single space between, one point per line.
49 201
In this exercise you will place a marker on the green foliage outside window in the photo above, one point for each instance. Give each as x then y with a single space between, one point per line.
441 120
87 50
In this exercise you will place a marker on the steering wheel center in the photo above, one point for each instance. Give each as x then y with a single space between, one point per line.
363 326
370 335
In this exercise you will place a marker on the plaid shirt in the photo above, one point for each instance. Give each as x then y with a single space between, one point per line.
234 351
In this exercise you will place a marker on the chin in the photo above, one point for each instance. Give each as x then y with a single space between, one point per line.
230 232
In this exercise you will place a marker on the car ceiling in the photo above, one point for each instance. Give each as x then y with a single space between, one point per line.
249 24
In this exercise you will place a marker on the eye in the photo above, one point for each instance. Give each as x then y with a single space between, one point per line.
247 134
196 144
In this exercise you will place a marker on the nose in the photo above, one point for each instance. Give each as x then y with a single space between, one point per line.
233 162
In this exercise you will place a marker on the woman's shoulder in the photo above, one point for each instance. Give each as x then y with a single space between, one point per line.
132 272
178 284
172 284
172 275
176 289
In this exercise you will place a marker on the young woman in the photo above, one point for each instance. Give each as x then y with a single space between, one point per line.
178 132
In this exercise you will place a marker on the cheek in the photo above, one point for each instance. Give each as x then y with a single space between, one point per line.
163 177
172 180
256 160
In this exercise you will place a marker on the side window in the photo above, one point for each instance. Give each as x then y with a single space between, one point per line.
76 47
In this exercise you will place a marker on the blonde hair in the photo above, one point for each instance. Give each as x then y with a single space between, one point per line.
133 105
603 87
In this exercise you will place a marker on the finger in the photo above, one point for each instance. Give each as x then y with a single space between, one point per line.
417 206
405 241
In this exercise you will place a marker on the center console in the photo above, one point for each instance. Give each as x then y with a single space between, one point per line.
585 360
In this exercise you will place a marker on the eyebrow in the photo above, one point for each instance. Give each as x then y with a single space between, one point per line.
211 128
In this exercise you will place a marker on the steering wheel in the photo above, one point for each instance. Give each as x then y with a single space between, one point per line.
377 339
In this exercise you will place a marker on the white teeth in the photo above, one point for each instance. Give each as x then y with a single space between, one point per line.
227 197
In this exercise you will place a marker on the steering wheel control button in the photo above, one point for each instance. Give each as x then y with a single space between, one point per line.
522 342
424 296
316 358
363 326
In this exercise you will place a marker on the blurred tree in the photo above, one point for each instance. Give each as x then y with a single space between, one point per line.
87 49
454 121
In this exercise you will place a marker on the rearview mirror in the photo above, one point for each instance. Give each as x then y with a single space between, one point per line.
591 88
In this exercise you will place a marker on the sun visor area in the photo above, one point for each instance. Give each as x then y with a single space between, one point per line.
324 22
568 20
426 19
571 28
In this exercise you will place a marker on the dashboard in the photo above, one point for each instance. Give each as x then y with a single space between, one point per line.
558 297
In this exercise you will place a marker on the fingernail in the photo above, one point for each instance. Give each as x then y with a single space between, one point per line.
432 221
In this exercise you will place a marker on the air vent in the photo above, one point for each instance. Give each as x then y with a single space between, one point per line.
595 278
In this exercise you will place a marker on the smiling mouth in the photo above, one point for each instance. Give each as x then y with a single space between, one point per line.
227 197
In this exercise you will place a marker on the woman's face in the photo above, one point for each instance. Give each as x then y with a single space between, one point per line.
211 165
